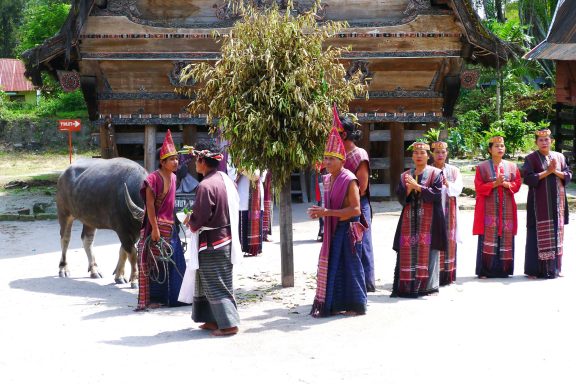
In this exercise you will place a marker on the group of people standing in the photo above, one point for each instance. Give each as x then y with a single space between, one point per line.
428 231
224 227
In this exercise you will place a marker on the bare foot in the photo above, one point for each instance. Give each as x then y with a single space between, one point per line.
209 326
225 331
350 313
482 277
531 277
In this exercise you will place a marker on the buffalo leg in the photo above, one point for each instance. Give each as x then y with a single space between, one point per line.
133 258
119 270
88 234
65 232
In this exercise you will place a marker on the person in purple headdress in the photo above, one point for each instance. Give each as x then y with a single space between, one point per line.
358 162
546 174
341 284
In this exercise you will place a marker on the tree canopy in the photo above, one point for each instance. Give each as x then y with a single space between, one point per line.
272 90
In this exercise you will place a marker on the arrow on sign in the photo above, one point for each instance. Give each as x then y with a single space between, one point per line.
69 125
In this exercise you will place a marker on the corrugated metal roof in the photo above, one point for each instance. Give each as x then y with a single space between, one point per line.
12 77
560 44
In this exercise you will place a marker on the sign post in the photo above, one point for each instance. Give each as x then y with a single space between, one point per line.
70 126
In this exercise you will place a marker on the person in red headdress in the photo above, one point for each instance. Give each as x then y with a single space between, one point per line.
341 284
546 173
159 193
495 213
421 231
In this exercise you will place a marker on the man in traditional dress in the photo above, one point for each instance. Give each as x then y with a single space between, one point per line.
341 284
214 247
495 213
159 193
358 162
451 188
546 174
421 231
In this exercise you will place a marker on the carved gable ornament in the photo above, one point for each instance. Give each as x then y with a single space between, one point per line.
360 66
176 72
69 80
225 11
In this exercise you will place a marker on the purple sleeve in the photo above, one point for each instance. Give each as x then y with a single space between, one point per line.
531 177
434 191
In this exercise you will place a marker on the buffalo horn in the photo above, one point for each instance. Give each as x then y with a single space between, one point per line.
136 211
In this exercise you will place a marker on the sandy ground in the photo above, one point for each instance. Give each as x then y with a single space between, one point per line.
80 330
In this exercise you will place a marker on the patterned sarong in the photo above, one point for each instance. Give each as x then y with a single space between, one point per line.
267 219
214 300
415 235
499 213
251 222
549 213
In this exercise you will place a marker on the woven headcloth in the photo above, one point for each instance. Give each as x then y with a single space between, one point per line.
335 146
543 132
168 149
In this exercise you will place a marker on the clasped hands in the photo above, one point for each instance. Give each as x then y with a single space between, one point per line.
501 181
411 184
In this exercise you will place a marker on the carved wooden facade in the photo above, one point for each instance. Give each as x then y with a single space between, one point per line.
129 54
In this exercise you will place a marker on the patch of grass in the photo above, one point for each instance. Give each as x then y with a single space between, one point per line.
29 166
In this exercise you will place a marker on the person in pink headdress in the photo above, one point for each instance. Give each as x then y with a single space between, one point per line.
159 193
341 284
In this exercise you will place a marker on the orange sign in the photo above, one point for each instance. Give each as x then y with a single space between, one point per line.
69 125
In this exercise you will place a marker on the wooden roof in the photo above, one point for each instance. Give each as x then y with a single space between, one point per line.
61 51
560 44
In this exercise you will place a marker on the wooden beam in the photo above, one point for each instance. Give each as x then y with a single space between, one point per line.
396 151
150 148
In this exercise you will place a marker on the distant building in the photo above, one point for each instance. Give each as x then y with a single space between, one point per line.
14 83
560 47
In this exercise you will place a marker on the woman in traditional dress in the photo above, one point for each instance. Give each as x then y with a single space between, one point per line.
358 162
159 193
495 213
546 174
421 231
451 188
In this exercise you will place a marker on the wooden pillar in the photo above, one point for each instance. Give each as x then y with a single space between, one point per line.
108 149
396 154
189 134
150 148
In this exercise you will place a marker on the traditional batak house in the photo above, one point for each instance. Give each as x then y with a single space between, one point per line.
126 55
560 46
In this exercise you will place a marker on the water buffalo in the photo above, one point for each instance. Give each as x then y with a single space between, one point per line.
102 194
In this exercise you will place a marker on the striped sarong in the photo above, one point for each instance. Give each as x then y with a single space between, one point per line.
346 285
214 300
267 217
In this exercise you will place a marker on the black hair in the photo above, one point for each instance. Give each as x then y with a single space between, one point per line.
350 128
211 146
